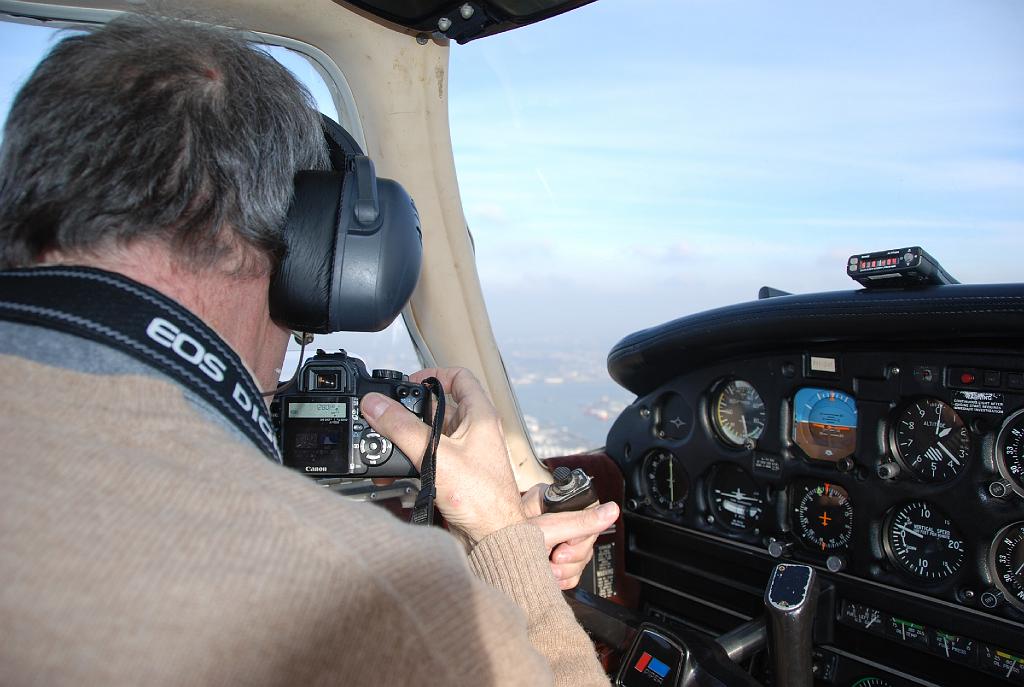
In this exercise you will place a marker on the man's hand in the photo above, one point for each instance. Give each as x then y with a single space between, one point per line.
569 536
476 491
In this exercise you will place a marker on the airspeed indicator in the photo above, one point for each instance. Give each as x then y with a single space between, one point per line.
738 413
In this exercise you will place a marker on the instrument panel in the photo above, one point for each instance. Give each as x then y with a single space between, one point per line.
897 471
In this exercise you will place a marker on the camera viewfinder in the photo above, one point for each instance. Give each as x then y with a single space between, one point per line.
325 381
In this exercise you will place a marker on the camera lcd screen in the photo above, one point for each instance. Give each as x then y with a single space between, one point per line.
315 411
317 435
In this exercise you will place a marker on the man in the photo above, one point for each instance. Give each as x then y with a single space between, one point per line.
144 538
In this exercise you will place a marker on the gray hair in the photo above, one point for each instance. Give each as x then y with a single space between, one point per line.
155 128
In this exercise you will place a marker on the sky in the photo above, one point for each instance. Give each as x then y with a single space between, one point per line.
634 161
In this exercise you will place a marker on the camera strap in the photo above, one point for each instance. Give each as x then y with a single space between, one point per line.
423 508
143 323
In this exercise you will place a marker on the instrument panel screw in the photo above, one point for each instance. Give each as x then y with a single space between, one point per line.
894 371
998 489
466 11
645 412
422 38
443 24
991 598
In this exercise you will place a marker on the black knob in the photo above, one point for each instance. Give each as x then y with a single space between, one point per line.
563 475
388 374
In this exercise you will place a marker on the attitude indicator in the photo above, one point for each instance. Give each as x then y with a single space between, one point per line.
825 423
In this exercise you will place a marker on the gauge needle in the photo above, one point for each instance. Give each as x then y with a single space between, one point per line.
906 530
743 421
671 483
945 450
1018 570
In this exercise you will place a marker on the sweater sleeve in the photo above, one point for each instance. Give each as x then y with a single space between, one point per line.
514 561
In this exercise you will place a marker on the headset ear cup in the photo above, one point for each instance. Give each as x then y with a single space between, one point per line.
353 247
381 263
301 288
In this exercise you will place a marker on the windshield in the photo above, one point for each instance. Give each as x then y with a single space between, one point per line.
632 162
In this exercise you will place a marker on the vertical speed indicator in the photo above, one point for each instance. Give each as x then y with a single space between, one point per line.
922 541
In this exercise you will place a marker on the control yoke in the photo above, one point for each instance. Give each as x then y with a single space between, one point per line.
791 599
659 657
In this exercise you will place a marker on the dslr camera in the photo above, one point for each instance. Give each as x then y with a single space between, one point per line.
320 429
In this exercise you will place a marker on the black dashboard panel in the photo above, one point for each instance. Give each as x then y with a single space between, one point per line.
874 459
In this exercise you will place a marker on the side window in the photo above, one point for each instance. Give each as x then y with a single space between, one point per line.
24 45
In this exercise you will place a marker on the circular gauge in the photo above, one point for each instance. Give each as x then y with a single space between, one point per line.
666 481
824 516
931 440
1006 563
738 413
734 498
825 423
1010 451
871 682
922 542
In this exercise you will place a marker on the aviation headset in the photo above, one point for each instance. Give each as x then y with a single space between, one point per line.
353 246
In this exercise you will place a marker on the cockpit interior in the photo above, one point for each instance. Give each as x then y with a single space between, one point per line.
823 487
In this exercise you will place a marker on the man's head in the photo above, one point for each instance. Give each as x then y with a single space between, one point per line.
154 129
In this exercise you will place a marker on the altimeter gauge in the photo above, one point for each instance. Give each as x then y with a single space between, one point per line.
1006 563
738 413
921 541
931 440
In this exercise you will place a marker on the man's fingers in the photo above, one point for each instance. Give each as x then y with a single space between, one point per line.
581 552
533 500
566 585
395 422
561 527
462 386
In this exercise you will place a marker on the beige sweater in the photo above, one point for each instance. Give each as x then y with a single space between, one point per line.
142 544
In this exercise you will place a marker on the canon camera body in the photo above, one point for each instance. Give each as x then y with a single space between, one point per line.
320 429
